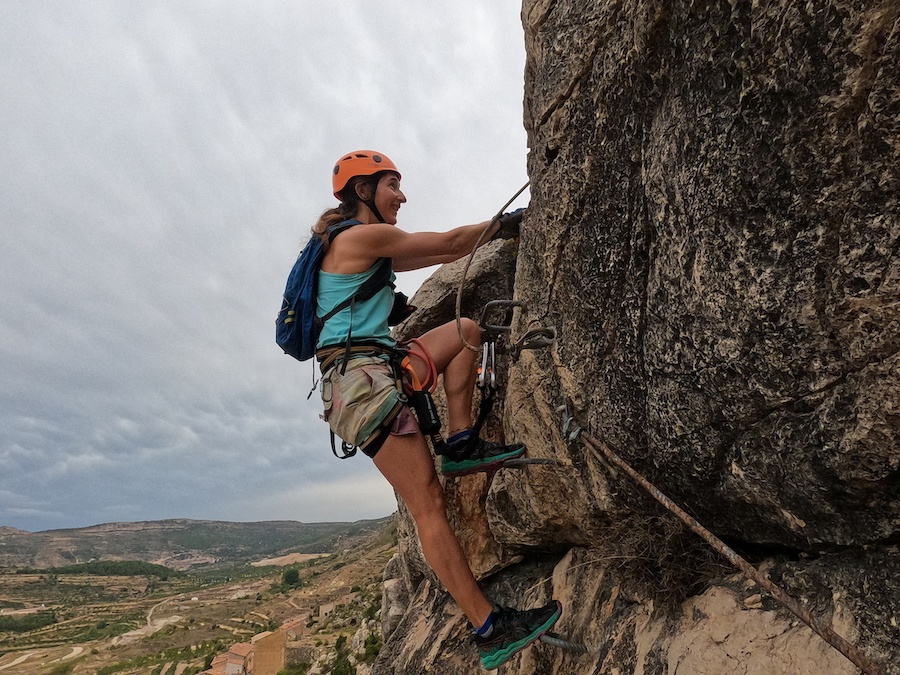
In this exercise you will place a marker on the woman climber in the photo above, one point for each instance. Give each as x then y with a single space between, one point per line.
364 404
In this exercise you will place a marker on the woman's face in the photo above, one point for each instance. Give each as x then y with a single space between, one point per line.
388 197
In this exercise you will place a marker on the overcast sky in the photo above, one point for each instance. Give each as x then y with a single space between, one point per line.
161 164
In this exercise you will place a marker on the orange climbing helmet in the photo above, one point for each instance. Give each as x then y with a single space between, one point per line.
359 163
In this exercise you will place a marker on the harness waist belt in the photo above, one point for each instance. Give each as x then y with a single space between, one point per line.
329 356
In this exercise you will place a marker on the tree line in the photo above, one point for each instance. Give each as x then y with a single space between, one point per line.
110 568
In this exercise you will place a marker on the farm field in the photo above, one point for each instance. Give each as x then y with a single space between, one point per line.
173 623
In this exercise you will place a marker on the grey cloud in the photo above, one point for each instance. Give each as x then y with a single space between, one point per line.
162 162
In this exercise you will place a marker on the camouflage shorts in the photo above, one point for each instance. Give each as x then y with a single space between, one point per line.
361 400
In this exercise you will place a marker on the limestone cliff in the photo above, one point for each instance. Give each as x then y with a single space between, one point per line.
714 232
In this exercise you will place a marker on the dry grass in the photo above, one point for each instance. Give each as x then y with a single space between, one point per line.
657 556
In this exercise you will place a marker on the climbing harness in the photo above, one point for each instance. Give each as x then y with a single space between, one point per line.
409 389
371 368
607 456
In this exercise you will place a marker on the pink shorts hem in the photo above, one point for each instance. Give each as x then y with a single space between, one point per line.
404 424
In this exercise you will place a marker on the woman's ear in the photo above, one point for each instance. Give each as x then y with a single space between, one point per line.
364 190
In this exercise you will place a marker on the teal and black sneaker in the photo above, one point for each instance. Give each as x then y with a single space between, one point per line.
474 455
513 631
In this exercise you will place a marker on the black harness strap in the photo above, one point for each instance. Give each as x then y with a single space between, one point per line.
380 279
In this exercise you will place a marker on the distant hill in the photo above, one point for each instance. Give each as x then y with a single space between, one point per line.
180 543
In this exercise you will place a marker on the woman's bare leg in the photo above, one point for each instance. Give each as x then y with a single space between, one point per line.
457 364
408 466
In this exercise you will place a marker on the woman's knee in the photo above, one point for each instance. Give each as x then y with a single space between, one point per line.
471 331
428 502
443 343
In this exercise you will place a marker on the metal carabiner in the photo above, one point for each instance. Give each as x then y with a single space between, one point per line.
493 364
483 366
487 375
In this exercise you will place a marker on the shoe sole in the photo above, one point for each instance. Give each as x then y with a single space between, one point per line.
501 656
495 463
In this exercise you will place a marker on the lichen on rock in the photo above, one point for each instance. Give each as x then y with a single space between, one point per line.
714 232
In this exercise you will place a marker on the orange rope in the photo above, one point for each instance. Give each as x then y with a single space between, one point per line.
431 374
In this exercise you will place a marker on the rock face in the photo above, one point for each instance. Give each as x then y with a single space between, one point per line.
723 186
714 231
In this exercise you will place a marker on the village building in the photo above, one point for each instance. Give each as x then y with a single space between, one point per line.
237 661
264 654
326 610
268 653
295 627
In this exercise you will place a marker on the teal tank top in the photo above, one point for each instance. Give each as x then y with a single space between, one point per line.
368 320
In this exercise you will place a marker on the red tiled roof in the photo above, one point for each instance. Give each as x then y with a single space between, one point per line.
241 649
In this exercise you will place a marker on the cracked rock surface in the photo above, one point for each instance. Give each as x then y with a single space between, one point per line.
714 232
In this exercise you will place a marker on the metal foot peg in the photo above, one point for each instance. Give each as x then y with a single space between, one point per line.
556 641
520 462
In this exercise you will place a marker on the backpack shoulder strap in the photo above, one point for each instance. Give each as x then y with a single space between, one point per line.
335 230
368 289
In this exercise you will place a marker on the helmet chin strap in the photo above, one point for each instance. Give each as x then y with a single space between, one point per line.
370 202
374 209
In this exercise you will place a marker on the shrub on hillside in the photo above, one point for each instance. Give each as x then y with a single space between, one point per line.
28 622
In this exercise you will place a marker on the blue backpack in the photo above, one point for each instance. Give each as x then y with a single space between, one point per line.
297 327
